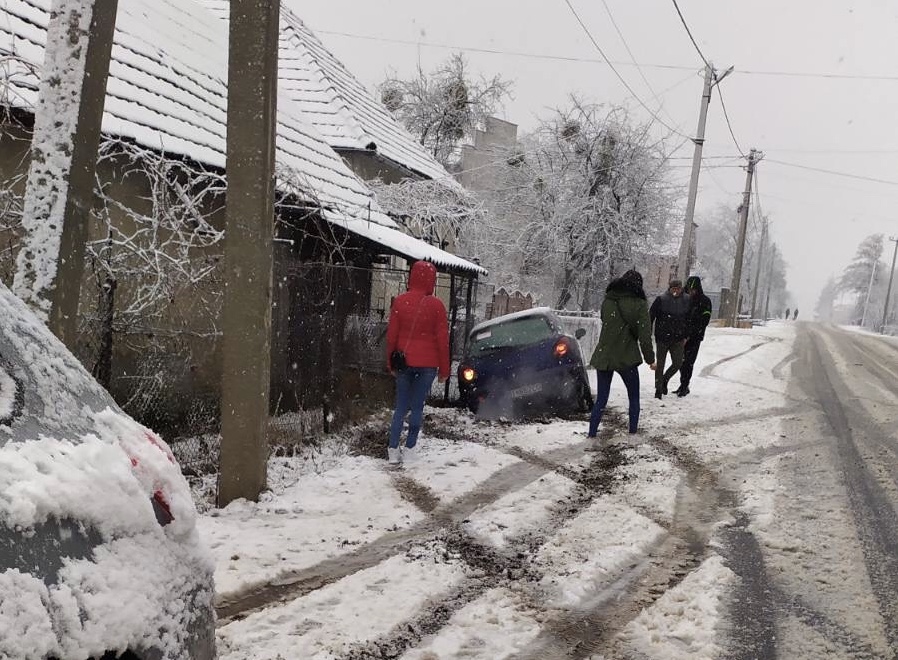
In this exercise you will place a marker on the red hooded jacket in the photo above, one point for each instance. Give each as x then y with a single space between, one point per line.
418 325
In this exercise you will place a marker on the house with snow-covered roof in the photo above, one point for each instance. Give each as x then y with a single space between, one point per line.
167 99
350 119
366 135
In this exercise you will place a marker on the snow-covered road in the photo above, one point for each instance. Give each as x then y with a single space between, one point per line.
734 526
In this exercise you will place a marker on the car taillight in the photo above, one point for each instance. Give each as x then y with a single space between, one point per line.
162 509
468 374
561 348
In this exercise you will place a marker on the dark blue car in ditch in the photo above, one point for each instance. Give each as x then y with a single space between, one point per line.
523 363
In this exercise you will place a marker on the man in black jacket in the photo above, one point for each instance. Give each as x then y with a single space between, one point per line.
668 315
697 319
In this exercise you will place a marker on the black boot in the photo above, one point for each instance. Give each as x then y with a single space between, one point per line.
683 391
658 392
664 385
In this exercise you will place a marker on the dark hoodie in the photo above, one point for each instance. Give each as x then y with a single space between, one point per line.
699 314
625 326
418 325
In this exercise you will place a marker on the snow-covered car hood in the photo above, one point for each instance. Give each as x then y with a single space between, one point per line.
86 565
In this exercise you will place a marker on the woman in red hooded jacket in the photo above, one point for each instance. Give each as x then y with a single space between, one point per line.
418 328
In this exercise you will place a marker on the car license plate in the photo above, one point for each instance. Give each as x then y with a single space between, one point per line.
527 390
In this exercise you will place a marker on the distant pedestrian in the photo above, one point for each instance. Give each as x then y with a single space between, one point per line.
625 330
417 351
697 319
668 315
788 311
795 314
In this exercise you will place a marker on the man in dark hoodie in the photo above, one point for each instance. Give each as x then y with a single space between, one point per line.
697 320
668 314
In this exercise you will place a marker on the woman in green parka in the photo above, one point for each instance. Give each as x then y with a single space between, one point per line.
625 330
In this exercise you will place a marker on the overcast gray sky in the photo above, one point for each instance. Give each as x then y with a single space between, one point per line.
844 120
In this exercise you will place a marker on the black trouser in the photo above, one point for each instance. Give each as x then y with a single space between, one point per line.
690 353
675 349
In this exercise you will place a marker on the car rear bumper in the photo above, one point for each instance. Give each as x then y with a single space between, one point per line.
549 386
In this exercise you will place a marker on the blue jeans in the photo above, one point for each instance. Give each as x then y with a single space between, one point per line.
603 389
412 387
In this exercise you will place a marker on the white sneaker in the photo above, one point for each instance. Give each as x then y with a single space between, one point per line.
393 457
410 455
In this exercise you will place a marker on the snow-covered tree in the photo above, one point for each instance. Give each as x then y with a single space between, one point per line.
866 277
716 239
863 277
825 303
444 107
433 211
579 196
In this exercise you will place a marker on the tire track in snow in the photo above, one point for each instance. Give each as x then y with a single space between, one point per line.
874 513
299 583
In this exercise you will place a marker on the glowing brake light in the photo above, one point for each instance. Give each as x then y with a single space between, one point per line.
468 374
561 348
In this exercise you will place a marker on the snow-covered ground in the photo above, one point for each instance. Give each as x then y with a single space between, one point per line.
325 510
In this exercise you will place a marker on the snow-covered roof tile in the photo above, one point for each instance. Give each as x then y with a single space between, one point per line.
167 90
346 113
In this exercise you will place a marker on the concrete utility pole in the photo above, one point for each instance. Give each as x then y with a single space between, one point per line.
885 311
711 79
754 290
769 285
869 290
753 157
62 174
246 316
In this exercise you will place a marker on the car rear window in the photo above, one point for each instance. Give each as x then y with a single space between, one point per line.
520 332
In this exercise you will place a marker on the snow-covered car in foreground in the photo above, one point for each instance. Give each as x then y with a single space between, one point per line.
99 552
522 362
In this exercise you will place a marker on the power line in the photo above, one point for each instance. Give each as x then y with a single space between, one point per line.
726 116
498 51
632 57
617 73
691 38
834 172
708 64
593 60
823 152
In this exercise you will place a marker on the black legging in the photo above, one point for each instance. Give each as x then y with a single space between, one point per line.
690 353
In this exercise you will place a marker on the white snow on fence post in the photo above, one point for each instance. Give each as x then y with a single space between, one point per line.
55 123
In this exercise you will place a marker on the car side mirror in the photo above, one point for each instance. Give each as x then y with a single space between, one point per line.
580 333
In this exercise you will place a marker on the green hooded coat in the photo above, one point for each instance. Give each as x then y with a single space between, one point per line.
625 327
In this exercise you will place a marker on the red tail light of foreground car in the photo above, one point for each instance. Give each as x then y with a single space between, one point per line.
561 348
161 507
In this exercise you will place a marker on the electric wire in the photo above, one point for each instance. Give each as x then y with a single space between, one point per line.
822 170
618 75
635 63
726 116
708 64
689 32
593 60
